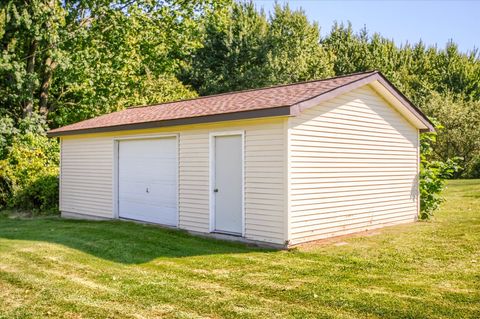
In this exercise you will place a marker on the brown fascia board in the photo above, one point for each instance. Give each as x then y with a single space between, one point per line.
377 76
270 112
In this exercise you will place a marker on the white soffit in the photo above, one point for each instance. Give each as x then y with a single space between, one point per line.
398 105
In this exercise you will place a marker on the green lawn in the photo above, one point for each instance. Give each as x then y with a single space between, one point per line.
78 269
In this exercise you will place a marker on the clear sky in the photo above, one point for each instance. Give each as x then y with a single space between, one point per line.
435 22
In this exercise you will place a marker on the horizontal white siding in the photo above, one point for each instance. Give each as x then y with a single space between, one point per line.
87 174
264 173
353 166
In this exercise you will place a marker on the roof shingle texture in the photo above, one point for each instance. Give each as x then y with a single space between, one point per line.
249 100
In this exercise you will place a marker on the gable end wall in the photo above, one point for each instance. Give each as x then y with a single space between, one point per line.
353 166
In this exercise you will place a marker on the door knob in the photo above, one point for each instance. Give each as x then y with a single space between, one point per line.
215 190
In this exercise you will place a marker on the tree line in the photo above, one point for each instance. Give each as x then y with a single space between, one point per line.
62 61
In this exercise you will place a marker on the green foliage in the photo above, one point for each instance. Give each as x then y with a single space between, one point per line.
147 91
231 55
293 49
29 170
460 135
124 57
7 132
243 49
474 169
72 60
433 174
416 69
30 30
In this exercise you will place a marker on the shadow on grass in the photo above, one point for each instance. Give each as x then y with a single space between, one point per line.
118 241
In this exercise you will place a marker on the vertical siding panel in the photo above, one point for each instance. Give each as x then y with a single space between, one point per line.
353 165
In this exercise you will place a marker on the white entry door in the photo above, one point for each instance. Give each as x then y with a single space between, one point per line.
228 184
147 180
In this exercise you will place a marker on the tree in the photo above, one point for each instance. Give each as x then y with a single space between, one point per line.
350 52
122 58
73 59
242 49
293 49
30 28
230 57
460 135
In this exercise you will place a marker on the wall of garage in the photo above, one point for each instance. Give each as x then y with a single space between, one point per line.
365 175
87 175
86 170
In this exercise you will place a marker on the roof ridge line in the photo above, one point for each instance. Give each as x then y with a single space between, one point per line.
254 89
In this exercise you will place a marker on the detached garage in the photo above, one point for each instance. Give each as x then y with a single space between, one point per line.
281 165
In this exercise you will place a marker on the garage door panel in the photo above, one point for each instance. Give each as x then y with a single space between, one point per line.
154 187
142 211
155 197
147 175
145 199
164 170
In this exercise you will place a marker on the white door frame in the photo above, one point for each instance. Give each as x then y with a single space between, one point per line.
115 183
211 182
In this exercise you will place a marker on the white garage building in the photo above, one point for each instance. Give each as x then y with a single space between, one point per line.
281 165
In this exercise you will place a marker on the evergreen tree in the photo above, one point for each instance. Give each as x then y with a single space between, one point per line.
243 49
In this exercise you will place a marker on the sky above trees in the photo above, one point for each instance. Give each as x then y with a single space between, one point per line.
434 22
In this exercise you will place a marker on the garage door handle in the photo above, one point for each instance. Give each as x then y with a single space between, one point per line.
148 191
215 190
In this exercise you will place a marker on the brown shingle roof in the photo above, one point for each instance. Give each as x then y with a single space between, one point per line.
270 101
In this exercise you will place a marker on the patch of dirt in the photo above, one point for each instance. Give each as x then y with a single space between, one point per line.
335 241
341 243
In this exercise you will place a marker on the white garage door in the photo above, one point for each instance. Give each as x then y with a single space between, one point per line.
147 180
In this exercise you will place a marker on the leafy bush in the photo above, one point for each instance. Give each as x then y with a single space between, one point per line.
460 133
41 195
432 175
474 170
29 169
7 132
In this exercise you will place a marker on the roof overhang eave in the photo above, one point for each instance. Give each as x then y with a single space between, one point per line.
244 115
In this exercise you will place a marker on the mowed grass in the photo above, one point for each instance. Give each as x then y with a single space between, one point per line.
77 269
